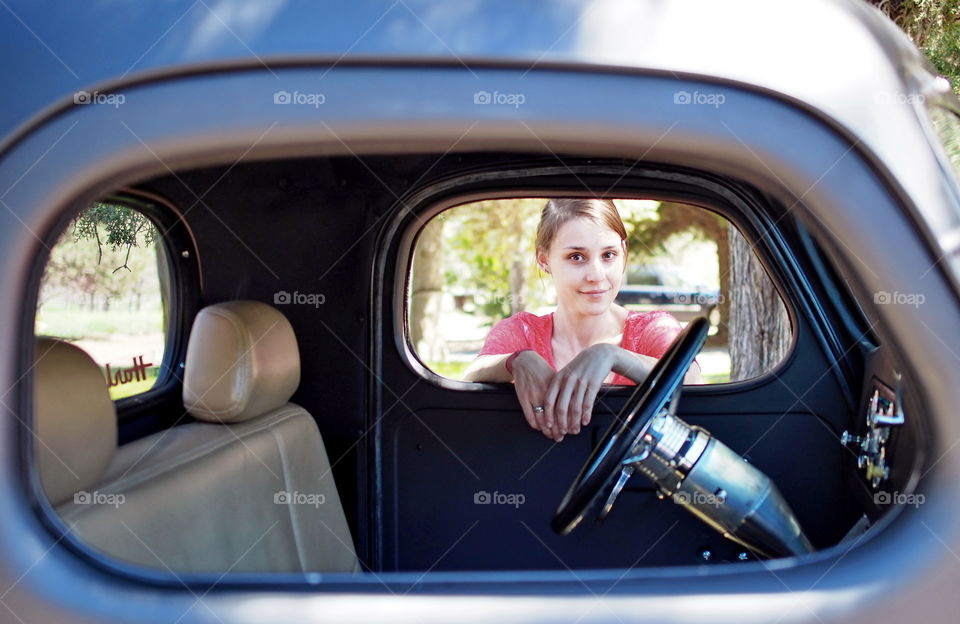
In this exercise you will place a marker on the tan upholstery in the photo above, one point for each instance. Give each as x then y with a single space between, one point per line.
251 496
212 498
242 361
76 425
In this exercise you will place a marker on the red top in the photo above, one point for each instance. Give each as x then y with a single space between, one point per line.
646 333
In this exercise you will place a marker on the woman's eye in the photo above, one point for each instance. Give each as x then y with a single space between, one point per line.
576 257
610 255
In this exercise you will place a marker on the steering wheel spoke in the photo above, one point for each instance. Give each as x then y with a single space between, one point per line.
625 475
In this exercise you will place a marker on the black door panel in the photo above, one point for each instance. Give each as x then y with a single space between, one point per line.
476 489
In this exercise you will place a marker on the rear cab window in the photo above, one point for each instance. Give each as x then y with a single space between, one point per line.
104 289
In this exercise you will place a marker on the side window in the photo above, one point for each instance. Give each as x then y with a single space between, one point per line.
475 264
103 289
947 125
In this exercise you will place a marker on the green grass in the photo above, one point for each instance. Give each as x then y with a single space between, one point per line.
452 370
78 324
715 378
132 388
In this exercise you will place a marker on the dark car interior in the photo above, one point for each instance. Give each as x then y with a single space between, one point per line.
405 451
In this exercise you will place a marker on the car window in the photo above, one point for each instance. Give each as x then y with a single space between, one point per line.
101 290
474 265
947 125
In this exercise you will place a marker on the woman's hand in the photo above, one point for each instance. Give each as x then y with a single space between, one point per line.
569 400
532 376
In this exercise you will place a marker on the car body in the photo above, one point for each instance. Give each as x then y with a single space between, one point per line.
807 124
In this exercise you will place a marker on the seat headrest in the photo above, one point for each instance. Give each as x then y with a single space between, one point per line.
242 361
74 420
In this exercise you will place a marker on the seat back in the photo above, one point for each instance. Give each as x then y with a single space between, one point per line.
247 489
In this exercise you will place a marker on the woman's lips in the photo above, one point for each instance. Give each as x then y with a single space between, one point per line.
593 293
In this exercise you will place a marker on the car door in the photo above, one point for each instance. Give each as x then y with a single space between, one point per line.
466 484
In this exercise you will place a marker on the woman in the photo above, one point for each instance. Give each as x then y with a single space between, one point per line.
559 361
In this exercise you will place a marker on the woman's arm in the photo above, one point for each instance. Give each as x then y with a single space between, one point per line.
488 368
569 399
636 367
531 377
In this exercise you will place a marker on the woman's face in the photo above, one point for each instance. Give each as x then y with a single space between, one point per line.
586 260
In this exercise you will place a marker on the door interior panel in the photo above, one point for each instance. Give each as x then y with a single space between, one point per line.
486 487
446 455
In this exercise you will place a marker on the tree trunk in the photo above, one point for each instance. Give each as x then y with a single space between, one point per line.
427 294
518 300
518 268
759 327
722 236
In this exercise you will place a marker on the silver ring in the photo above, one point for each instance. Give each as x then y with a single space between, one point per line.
537 409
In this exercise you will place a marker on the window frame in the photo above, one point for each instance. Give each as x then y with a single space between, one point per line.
180 291
431 201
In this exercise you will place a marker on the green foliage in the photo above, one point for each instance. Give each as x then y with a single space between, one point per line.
934 26
116 226
648 234
488 244
93 264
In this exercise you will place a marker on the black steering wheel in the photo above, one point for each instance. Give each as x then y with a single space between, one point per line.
606 463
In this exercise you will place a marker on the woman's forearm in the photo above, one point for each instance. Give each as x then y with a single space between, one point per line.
491 368
632 365
636 367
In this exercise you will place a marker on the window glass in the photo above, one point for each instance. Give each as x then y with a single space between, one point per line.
947 225
101 290
947 125
476 264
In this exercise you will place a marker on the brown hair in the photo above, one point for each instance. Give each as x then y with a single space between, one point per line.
557 212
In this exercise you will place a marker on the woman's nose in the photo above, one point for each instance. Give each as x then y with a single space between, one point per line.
595 271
